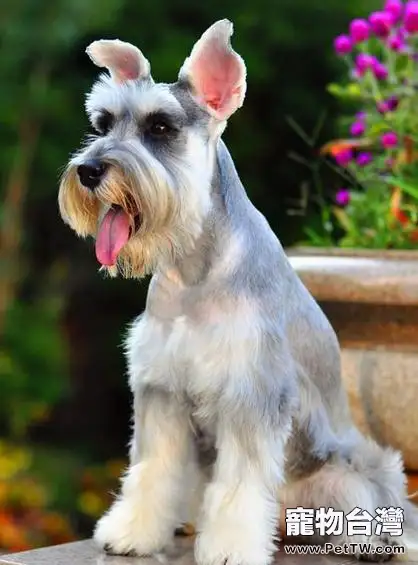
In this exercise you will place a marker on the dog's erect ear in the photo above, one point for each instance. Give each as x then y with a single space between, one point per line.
216 72
123 60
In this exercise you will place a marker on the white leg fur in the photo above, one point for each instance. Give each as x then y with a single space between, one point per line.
142 520
240 512
195 482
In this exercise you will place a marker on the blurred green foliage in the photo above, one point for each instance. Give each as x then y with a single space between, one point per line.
59 321
30 381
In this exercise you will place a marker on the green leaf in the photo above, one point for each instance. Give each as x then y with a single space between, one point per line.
377 129
403 185
350 91
315 238
344 219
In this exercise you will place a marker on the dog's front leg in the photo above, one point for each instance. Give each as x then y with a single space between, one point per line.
143 518
240 509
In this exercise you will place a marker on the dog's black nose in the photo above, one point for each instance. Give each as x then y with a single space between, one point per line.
91 173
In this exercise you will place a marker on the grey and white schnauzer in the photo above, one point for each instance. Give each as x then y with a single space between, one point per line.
239 408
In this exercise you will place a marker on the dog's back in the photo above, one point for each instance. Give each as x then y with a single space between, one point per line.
290 312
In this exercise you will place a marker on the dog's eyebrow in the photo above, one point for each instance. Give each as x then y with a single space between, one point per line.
103 119
172 118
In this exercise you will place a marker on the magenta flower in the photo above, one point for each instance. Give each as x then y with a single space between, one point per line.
411 16
364 158
392 103
394 8
396 42
364 62
383 107
344 157
381 23
380 71
361 116
343 197
343 45
389 105
403 34
389 140
359 30
357 128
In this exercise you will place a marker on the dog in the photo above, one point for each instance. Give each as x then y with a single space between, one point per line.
239 407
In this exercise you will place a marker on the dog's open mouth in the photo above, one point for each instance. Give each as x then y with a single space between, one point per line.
115 230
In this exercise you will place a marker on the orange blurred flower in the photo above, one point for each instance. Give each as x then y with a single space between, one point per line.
337 146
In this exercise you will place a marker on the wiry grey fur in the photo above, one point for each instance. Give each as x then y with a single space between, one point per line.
234 368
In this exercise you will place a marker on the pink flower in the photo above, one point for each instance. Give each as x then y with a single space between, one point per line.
389 140
343 45
381 23
393 103
389 105
364 159
411 16
357 128
343 197
383 107
380 71
403 34
364 62
359 30
394 8
344 157
396 42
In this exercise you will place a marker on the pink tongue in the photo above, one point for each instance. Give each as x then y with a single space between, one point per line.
113 234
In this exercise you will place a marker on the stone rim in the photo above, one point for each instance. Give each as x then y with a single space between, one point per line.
362 276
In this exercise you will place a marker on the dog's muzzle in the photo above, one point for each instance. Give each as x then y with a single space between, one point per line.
91 173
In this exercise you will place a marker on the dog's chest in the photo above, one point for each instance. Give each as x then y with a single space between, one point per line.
171 354
192 359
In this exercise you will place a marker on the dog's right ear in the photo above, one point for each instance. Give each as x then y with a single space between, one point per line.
123 60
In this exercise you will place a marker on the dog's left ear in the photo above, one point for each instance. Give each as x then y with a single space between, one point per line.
216 73
123 60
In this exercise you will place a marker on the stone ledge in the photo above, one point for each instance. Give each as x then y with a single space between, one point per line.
374 277
85 553
78 553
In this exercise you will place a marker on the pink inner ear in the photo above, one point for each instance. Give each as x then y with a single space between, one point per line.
217 75
126 66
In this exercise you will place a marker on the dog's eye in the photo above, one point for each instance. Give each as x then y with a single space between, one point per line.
104 122
159 128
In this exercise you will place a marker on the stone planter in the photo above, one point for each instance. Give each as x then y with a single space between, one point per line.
371 299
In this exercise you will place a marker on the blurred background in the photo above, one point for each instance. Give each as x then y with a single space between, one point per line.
64 402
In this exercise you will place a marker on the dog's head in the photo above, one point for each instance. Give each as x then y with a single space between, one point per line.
142 185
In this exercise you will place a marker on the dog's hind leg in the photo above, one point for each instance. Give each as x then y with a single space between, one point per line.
371 477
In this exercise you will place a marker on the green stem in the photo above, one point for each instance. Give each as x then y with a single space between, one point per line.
374 83
392 59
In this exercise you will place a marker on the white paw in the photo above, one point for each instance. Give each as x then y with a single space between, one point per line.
125 530
235 543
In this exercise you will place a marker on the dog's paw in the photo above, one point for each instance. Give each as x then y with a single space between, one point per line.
124 531
232 544
380 549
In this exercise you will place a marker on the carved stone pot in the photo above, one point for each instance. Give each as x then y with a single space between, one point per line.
371 299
